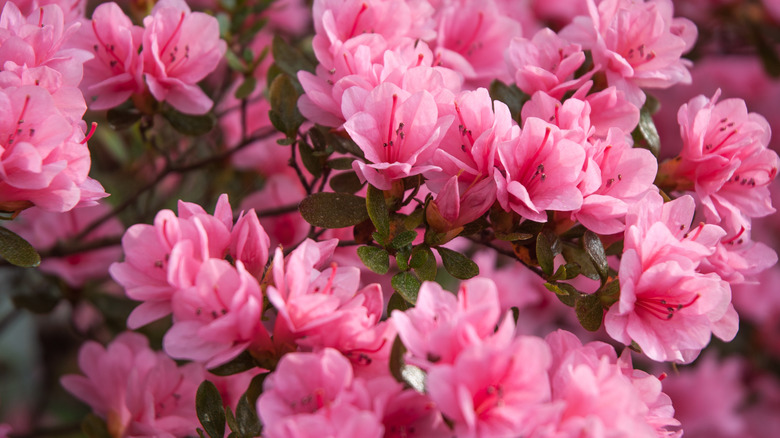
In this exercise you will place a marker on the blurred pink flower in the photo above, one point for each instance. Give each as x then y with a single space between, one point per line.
180 48
137 391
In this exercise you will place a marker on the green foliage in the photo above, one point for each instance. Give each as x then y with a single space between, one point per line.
284 114
17 251
595 250
333 210
423 262
646 135
377 211
241 363
375 259
407 285
510 95
589 311
457 264
211 414
188 124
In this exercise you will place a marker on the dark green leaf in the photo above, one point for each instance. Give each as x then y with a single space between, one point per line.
189 124
589 311
565 292
284 114
402 257
343 163
94 427
396 361
415 219
424 263
511 237
615 249
406 284
234 62
566 272
595 250
231 420
333 210
458 265
16 250
255 388
248 55
211 413
246 416
290 59
246 88
645 135
377 210
122 117
403 239
397 302
609 293
767 51
575 254
311 162
544 254
510 95
375 259
346 182
241 363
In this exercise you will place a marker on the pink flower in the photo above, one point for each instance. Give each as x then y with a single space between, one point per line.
45 229
725 156
115 72
137 391
638 43
310 394
218 317
441 325
541 171
180 49
471 39
396 130
546 63
491 390
43 158
668 308
162 258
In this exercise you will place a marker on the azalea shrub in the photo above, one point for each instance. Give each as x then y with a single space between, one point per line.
389 218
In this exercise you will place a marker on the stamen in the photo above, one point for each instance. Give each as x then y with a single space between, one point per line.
92 129
462 127
731 240
363 8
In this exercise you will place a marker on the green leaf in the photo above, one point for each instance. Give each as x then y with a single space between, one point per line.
231 421
402 257
284 114
311 162
615 249
767 51
241 363
589 311
424 263
255 388
403 239
397 302
346 182
188 124
609 294
234 62
407 285
247 419
575 254
343 163
510 95
375 259
565 292
377 210
646 135
595 250
458 265
94 427
290 59
211 413
396 361
246 88
123 117
333 210
544 254
566 272
16 250
511 237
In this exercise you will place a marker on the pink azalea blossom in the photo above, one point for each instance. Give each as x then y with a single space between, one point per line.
115 73
162 258
45 229
137 391
541 171
218 317
668 308
638 43
44 160
397 131
725 156
491 390
441 325
72 9
180 49
311 394
471 38
546 63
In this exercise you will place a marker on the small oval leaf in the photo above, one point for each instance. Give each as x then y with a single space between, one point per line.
333 210
458 265
375 259
595 250
241 363
589 311
211 413
424 263
16 250
192 125
407 285
377 210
